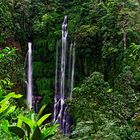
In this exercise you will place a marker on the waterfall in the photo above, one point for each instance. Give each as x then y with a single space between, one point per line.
72 69
56 88
29 77
63 65
69 70
35 100
61 96
63 91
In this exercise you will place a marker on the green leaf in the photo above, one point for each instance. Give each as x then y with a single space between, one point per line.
49 131
3 82
1 93
42 119
28 130
28 121
4 113
7 49
17 131
41 110
11 109
36 134
4 105
109 90
19 123
13 95
4 126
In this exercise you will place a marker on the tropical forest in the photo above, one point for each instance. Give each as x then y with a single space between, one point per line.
69 69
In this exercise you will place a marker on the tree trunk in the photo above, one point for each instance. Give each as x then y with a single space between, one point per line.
124 40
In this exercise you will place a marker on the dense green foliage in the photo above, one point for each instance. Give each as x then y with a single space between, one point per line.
15 122
96 105
106 97
25 128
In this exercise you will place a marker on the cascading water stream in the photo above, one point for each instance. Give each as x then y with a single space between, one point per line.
62 74
29 77
63 91
56 88
63 65
66 118
69 70
25 63
72 69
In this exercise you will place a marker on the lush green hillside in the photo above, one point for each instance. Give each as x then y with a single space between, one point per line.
106 95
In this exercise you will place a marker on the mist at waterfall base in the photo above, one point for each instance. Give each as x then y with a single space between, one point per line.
64 81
